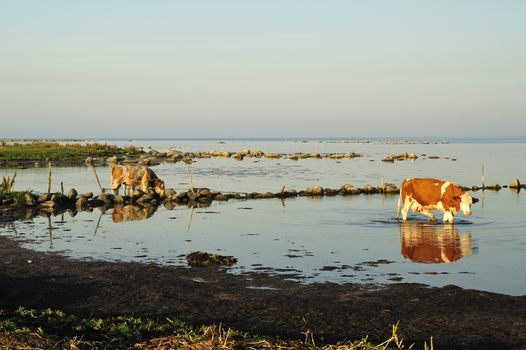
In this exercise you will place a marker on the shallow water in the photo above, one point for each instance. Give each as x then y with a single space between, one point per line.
333 239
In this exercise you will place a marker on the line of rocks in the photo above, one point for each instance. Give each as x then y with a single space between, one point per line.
173 156
201 197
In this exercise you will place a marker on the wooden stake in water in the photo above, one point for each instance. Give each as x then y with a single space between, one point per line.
483 186
190 177
97 177
49 179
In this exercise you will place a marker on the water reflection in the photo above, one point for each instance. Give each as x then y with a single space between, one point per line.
132 213
433 243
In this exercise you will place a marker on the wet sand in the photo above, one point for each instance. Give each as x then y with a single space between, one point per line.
262 304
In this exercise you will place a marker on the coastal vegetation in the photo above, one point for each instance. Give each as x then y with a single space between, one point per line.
48 328
53 150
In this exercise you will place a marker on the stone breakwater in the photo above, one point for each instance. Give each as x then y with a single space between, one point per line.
53 203
173 156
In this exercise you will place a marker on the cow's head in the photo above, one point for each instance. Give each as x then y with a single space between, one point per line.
465 203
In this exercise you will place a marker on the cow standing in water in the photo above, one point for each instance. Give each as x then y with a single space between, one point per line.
135 176
423 195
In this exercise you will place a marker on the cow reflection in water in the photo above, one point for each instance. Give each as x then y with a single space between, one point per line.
132 213
435 244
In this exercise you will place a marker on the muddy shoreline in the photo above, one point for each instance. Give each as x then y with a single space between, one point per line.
262 304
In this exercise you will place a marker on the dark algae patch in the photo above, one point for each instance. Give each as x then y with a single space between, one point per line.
134 293
202 259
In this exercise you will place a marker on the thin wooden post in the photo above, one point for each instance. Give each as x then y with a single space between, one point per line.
190 178
483 186
49 179
62 187
97 177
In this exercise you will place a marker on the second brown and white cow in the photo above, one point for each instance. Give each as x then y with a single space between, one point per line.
423 195
135 176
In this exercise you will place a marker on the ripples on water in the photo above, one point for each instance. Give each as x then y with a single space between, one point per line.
336 239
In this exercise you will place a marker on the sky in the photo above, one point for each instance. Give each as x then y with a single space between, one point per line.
129 69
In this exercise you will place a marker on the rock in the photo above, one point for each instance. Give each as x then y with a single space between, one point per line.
204 192
335 156
7 201
105 197
330 192
43 197
369 189
349 189
287 192
515 184
494 187
265 195
118 199
72 194
191 195
137 193
112 160
94 203
389 158
82 202
314 191
272 155
389 188
169 192
48 205
181 196
173 153
245 152
88 161
30 200
412 156
238 156
221 197
88 195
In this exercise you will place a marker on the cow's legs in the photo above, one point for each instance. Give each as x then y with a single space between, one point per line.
448 217
405 209
115 187
428 214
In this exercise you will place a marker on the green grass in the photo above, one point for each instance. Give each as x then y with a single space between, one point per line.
56 151
51 328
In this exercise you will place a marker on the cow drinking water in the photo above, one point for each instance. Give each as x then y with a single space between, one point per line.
135 176
423 195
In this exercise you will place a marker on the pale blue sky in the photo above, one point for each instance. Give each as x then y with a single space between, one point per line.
262 68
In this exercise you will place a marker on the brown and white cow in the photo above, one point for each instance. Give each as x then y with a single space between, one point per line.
135 176
423 195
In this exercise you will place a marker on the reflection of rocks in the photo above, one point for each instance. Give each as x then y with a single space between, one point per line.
132 213
426 243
